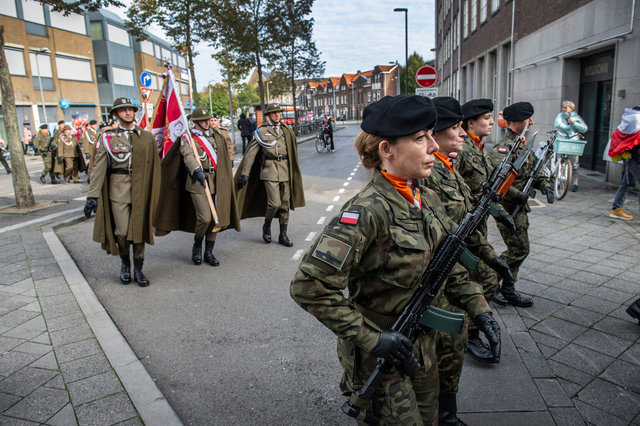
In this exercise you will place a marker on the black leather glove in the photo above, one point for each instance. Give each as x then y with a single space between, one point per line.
398 350
500 266
90 206
507 221
199 175
61 160
491 330
522 198
242 181
549 193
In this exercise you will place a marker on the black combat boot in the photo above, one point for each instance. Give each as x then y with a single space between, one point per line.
266 231
282 238
125 269
447 410
196 251
634 310
208 253
42 179
54 181
509 296
477 349
137 273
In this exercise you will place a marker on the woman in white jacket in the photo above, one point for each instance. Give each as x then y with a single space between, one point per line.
569 126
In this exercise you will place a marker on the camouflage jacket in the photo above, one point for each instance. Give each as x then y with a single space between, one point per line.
457 201
378 246
498 152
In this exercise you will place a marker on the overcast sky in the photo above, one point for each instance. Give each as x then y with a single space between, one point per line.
352 35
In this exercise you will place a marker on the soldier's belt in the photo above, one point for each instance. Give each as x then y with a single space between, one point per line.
435 318
209 170
120 172
276 158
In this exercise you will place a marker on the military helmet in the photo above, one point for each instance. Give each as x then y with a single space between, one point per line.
199 114
123 103
273 108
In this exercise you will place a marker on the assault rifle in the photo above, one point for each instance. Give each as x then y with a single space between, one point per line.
443 261
543 155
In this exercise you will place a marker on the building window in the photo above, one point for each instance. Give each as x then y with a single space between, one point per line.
102 75
118 35
32 11
465 18
73 69
95 27
483 10
494 5
146 47
474 14
122 76
184 88
73 22
15 59
43 65
9 9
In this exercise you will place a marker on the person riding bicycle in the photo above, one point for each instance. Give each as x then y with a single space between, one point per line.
570 125
327 128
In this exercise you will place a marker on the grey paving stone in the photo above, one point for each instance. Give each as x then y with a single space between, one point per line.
94 387
547 351
11 362
49 260
12 421
574 286
77 350
109 410
559 295
33 348
603 342
620 328
542 277
42 338
620 314
8 343
632 354
547 340
589 277
536 364
623 374
48 361
40 272
583 359
559 328
85 367
570 388
60 310
538 418
610 294
622 285
578 315
513 322
604 270
14 277
56 383
541 309
131 422
46 282
613 263
64 417
595 304
26 380
12 304
67 321
58 299
33 307
552 392
29 329
625 405
7 400
573 263
530 287
40 405
70 335
15 318
630 276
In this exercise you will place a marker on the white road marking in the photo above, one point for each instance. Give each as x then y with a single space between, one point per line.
353 173
355 170
297 255
341 191
350 178
79 198
321 220
336 198
330 208
310 237
345 184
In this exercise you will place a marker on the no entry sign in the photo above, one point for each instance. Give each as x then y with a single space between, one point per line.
426 76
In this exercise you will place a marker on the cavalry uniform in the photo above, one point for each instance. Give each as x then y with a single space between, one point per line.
88 141
47 152
228 143
69 150
271 172
125 182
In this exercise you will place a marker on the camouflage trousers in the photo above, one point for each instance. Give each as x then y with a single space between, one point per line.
517 243
402 400
47 160
450 349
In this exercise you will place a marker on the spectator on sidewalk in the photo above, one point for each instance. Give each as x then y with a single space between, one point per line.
569 126
246 130
3 156
26 139
253 122
214 122
625 146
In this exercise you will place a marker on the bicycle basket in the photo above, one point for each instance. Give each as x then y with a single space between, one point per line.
569 146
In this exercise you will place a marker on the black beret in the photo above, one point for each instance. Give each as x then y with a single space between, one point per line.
93 122
44 126
395 116
518 111
449 112
476 107
61 122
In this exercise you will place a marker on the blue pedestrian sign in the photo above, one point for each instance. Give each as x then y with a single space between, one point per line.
64 103
188 102
145 79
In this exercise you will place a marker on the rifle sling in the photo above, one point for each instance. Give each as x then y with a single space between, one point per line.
435 318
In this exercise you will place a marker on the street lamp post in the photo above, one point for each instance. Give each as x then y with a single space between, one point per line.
210 103
44 108
406 47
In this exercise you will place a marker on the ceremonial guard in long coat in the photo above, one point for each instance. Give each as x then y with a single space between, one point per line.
70 160
89 139
184 206
124 189
271 172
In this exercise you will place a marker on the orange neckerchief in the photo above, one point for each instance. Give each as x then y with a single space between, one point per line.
408 188
448 164
524 140
479 142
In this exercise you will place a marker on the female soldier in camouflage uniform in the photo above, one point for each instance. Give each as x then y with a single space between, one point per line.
378 247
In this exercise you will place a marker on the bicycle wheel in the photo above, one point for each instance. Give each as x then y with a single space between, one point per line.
319 143
563 178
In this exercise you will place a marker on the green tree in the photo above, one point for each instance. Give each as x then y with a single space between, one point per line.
180 20
415 62
247 97
215 99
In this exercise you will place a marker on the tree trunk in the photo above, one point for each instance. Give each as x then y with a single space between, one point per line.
233 131
293 88
194 88
260 85
20 176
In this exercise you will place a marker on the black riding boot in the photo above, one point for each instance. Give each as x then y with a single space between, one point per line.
266 231
447 410
282 238
509 295
477 349
208 253
53 179
125 269
634 310
196 251
42 179
137 273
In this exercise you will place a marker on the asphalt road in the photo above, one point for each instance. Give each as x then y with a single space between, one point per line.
228 345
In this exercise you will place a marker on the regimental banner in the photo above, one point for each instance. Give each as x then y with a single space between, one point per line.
169 122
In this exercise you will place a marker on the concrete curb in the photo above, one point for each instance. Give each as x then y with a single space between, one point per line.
152 406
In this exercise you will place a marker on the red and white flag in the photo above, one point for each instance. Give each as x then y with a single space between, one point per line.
169 122
143 122
627 135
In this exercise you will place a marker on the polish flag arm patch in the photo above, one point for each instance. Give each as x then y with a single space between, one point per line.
502 150
349 218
